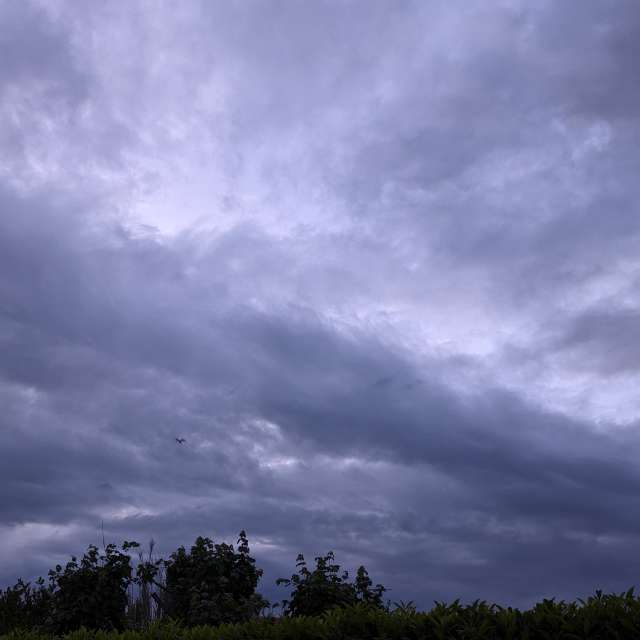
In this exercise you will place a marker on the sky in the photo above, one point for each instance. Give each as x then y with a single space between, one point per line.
377 262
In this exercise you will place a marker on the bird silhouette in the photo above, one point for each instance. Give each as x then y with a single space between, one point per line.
180 440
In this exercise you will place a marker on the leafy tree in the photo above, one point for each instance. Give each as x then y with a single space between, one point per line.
93 592
212 584
365 591
324 588
24 607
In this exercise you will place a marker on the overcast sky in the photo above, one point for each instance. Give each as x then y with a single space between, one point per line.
377 262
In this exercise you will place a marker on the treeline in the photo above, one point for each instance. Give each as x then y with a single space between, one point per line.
211 584
210 593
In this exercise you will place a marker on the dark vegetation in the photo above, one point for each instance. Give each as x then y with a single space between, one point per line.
211 584
210 593
324 588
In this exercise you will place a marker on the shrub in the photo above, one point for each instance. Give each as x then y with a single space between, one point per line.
92 593
315 592
599 618
212 584
24 606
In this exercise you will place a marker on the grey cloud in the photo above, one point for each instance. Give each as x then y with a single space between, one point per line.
590 55
319 388
35 50
413 219
604 339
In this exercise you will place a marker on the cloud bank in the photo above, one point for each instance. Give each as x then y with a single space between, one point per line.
377 263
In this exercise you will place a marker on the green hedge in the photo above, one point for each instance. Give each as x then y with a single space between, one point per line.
601 617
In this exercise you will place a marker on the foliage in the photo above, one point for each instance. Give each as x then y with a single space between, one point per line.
92 593
212 584
24 606
143 606
599 618
210 594
315 592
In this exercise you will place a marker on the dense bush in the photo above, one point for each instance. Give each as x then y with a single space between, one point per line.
212 584
324 588
24 606
91 593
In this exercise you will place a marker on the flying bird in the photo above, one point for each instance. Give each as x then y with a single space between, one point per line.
180 440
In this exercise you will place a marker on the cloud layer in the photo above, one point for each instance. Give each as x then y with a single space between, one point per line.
376 262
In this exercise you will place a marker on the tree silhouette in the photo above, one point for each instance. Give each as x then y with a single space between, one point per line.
212 584
93 592
324 588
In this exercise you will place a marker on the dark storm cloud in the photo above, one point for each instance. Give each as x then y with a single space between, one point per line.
320 389
355 259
